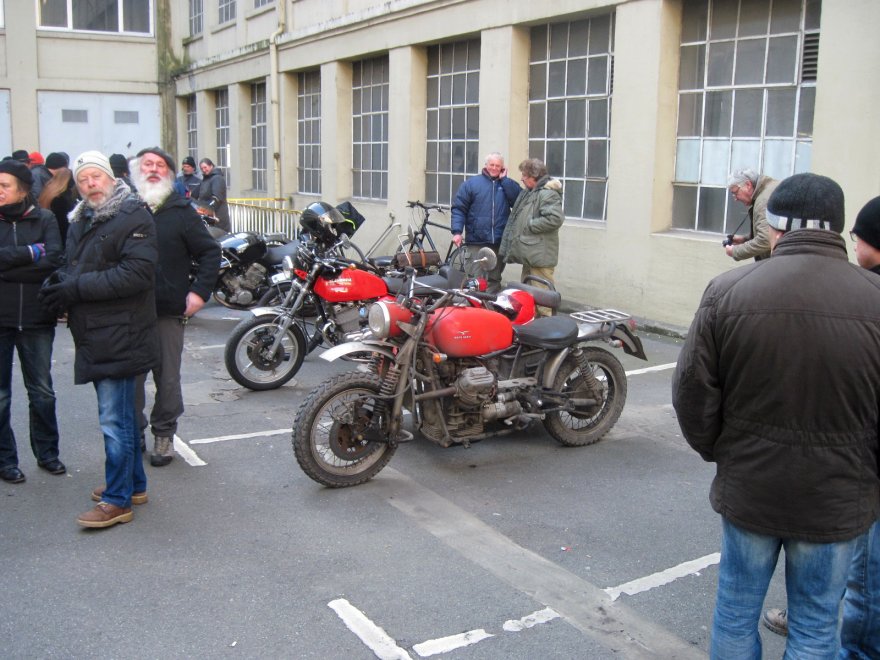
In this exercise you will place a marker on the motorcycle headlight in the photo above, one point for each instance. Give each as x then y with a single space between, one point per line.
384 317
287 267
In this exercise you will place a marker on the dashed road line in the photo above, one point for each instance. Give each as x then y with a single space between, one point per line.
376 639
692 567
647 370
186 453
239 436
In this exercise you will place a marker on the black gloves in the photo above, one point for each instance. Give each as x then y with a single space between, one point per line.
58 293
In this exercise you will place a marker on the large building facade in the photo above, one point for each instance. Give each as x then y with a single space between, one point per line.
640 107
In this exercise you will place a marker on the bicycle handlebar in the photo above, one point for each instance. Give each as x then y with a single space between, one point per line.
426 207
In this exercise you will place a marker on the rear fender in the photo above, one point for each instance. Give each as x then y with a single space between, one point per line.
632 345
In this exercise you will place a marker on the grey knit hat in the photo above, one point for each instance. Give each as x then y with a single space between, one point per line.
806 201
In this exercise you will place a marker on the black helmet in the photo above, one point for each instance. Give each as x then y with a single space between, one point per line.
321 221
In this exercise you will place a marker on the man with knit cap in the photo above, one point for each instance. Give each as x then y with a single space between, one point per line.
30 249
183 239
106 287
778 383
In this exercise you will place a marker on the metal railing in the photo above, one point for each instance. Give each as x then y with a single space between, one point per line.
263 215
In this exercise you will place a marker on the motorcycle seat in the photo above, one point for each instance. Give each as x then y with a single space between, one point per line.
549 332
401 284
543 297
382 263
274 255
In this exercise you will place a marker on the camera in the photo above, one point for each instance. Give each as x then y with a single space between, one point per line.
727 241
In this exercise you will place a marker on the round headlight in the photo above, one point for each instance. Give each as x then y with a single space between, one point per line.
379 320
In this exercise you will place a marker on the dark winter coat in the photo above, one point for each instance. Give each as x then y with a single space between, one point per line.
481 208
20 276
212 194
531 237
183 240
191 182
778 383
112 255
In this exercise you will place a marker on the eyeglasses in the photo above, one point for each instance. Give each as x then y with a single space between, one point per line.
853 237
734 191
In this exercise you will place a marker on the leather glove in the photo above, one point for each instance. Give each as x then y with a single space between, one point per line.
58 293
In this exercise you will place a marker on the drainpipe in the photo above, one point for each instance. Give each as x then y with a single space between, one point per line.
274 92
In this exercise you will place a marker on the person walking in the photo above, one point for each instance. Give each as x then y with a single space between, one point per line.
107 289
765 388
480 212
183 240
30 249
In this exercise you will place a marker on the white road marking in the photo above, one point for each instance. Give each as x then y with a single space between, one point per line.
582 604
206 348
532 620
186 453
684 569
238 436
446 644
647 370
376 639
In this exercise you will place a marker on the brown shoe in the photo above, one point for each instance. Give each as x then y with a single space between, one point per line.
776 620
105 515
136 498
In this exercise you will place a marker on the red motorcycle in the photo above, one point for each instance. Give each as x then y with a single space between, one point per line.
464 373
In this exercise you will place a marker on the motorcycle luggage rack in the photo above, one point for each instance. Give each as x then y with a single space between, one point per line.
600 316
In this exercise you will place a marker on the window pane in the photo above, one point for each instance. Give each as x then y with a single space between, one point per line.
753 15
555 157
786 16
99 15
745 153
748 112
777 158
687 161
716 122
556 119
723 20
600 31
684 207
690 114
594 200
711 215
573 199
691 67
577 77
558 40
579 33
720 64
716 160
812 14
536 120
538 38
597 159
782 59
780 112
598 126
693 22
537 82
597 75
556 85
576 160
53 13
136 16
576 119
805 112
750 61
803 158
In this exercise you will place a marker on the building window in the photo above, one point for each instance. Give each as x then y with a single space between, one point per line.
258 137
262 3
570 77
75 116
196 14
192 133
308 125
747 75
369 112
125 117
453 118
122 16
221 120
227 11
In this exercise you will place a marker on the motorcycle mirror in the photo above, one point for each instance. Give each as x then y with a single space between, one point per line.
486 259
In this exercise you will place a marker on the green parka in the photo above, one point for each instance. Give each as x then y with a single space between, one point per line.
531 236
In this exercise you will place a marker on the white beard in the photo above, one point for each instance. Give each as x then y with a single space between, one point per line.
154 194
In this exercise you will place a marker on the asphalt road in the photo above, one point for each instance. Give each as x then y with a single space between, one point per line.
514 548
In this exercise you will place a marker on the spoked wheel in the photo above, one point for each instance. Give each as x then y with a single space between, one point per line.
231 305
458 259
248 353
337 440
576 429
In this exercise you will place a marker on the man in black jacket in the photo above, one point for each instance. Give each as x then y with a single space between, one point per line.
778 383
106 287
183 240
30 249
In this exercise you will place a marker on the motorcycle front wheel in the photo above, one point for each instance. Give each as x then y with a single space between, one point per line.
577 429
248 358
335 439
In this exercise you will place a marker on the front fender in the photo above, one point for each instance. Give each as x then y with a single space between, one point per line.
265 311
349 347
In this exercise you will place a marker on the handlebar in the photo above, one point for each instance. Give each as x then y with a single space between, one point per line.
426 207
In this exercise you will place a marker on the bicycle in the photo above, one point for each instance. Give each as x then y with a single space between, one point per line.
419 241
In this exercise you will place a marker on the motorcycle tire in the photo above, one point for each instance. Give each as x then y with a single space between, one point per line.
575 429
326 427
274 297
246 353
229 305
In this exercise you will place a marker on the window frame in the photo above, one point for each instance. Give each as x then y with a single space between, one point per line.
259 137
369 178
120 4
308 124
196 17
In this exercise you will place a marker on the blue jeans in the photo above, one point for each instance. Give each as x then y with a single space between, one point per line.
34 347
860 634
815 579
123 467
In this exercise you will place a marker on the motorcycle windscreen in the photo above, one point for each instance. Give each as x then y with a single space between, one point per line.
350 285
469 331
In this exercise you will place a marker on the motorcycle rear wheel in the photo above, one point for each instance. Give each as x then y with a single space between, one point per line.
247 359
327 432
581 429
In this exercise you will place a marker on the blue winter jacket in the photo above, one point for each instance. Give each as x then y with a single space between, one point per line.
481 208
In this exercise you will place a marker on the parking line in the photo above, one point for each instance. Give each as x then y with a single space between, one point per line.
647 370
238 436
446 644
692 567
376 639
186 452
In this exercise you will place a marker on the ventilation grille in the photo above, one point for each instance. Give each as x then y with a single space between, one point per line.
810 57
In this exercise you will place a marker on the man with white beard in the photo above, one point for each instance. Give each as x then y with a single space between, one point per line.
183 241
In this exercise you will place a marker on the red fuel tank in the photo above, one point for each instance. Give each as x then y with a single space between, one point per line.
350 285
469 331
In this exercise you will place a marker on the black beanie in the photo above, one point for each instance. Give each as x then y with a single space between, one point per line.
55 161
119 164
867 226
806 201
19 170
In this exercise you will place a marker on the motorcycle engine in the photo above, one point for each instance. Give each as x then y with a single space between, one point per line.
241 287
474 386
349 317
